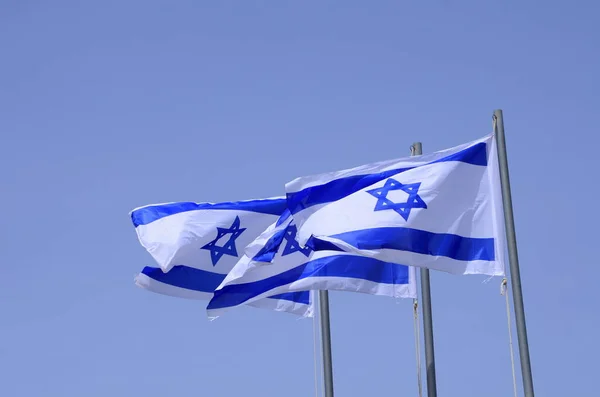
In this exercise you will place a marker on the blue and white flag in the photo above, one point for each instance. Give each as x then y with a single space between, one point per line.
441 211
197 244
275 263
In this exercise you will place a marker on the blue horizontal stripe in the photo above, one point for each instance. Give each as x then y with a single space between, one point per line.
186 277
298 297
203 281
356 267
339 188
414 240
146 215
285 215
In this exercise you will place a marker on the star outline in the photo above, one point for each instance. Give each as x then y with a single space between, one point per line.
291 244
229 248
413 201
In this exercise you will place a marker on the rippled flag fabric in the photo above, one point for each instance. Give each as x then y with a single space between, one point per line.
196 244
275 263
441 211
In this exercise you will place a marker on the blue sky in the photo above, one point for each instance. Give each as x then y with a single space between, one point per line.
106 106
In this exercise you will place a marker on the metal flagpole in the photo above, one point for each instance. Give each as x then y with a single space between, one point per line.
417 149
511 238
326 343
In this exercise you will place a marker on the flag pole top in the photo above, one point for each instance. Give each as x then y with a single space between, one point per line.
416 149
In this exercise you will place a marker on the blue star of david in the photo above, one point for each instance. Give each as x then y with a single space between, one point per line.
403 209
228 248
291 245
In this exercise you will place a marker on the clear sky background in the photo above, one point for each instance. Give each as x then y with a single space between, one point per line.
110 105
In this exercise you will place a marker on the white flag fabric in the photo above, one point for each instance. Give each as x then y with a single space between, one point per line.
441 211
275 263
197 244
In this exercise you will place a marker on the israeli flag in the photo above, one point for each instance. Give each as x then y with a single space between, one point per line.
275 263
441 211
196 245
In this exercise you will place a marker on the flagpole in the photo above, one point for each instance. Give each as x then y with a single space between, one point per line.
417 149
515 273
326 342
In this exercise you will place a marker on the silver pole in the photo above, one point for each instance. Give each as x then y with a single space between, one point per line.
417 149
511 239
326 343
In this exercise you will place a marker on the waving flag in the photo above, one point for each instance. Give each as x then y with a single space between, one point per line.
197 244
441 211
275 263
